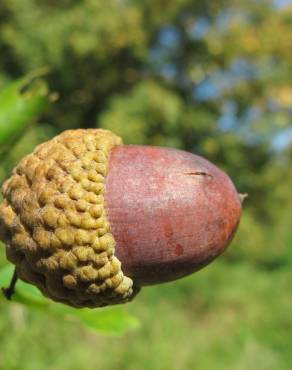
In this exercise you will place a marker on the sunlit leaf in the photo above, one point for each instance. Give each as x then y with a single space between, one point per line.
114 321
20 103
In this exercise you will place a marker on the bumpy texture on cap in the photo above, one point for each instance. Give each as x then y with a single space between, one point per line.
54 224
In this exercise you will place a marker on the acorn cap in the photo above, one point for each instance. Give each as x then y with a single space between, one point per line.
54 221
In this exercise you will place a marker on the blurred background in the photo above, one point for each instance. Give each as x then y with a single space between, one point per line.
213 78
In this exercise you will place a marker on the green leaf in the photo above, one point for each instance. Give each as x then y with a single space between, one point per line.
20 103
111 320
114 321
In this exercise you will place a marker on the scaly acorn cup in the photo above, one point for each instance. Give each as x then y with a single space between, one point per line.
89 220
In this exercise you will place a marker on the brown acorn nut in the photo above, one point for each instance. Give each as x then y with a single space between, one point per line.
171 212
89 221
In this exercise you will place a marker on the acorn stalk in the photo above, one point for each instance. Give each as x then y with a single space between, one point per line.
89 220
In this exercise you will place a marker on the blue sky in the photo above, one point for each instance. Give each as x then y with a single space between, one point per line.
283 3
215 85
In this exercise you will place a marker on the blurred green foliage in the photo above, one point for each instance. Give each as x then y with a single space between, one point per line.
210 77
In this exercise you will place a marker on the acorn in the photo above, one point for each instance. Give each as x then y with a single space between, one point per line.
90 221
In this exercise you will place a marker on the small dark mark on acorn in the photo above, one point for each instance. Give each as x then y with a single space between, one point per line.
198 173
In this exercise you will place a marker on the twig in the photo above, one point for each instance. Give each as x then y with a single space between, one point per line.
8 292
242 197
